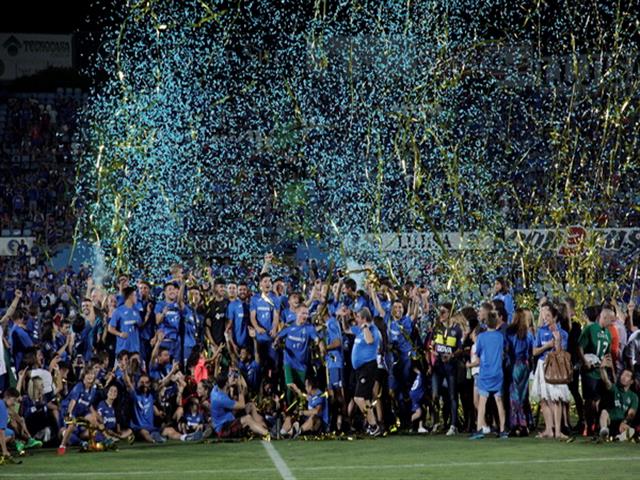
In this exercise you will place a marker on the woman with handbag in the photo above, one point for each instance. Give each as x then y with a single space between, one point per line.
548 388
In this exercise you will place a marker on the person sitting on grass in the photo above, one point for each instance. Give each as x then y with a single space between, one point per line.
490 349
109 419
36 411
192 419
315 418
224 408
618 418
145 411
7 435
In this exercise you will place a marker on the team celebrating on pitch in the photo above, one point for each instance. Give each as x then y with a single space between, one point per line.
200 357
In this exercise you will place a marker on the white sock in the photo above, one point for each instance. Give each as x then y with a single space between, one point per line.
183 437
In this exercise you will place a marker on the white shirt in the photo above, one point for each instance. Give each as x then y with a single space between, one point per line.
3 367
47 379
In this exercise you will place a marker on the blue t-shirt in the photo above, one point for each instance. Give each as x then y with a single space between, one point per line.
399 335
334 358
85 399
30 408
417 389
238 315
127 320
509 305
59 341
520 349
193 420
386 306
142 410
288 316
545 335
20 342
190 327
158 371
148 330
221 409
170 322
490 349
265 308
4 415
296 344
319 398
108 415
361 302
251 373
362 351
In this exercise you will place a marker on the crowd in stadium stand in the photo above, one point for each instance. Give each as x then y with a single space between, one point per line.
239 349
36 165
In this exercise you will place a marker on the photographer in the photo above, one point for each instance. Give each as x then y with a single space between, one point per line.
224 408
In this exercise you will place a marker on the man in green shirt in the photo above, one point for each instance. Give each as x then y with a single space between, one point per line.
620 415
594 343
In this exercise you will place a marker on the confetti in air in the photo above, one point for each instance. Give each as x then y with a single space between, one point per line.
219 128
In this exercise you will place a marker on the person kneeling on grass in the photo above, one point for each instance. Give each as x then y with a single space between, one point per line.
223 409
78 409
315 419
616 419
145 411
490 349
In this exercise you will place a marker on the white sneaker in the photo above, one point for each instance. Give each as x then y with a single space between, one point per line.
296 430
421 429
625 436
604 433
452 431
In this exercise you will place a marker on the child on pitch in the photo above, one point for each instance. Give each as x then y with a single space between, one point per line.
315 418
249 365
490 349
193 420
416 394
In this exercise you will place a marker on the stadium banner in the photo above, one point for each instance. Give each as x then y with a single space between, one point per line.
23 54
565 241
9 245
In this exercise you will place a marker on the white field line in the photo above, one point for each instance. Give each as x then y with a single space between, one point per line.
14 471
277 460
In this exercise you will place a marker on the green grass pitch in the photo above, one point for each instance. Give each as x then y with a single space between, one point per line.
396 457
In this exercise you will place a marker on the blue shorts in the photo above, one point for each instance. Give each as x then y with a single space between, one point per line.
416 399
487 386
335 378
485 393
8 433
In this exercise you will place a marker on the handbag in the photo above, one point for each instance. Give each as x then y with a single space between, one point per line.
557 368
